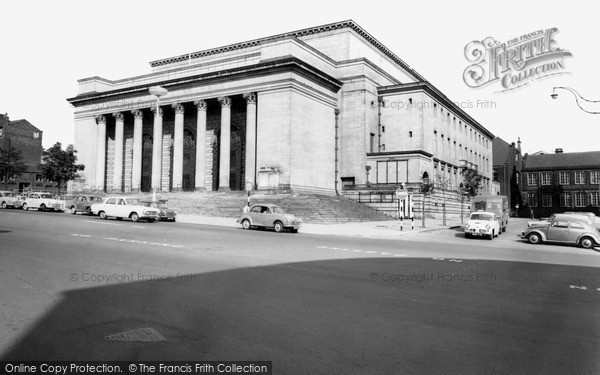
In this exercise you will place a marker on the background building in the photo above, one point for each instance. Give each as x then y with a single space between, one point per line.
507 166
561 182
303 111
26 138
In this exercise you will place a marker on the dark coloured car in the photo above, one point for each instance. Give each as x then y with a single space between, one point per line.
82 203
164 212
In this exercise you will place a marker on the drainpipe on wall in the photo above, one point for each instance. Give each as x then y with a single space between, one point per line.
379 103
337 114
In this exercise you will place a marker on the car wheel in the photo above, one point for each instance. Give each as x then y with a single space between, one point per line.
88 210
24 207
586 242
278 226
4 205
294 230
467 235
73 210
134 217
102 215
151 220
492 235
504 228
534 238
246 224
42 207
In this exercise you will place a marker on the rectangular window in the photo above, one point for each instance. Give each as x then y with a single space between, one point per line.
532 200
1 131
594 199
546 200
564 178
595 177
372 145
546 178
565 199
532 179
579 199
579 178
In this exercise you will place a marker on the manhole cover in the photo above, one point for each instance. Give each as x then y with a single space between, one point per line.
148 334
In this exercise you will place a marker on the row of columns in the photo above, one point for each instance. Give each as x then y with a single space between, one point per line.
157 145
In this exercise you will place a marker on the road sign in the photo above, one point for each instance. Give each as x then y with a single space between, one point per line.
401 193
249 186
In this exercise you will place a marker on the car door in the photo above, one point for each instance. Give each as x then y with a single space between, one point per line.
575 230
109 206
558 231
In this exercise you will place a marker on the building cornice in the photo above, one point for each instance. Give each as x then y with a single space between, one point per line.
437 95
268 67
349 24
400 153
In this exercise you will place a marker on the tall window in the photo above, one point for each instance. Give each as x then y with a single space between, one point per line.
546 200
595 177
532 200
372 144
563 178
579 178
546 178
532 179
594 199
565 199
579 199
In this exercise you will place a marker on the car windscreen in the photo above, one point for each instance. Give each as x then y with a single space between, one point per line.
481 217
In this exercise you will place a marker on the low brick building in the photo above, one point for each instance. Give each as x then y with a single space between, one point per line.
26 138
561 182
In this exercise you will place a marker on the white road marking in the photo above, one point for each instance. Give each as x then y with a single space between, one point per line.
80 235
137 226
99 222
371 252
385 253
400 255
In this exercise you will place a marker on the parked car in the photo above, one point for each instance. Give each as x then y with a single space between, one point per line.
83 203
482 224
9 199
544 221
562 229
594 219
164 212
42 202
269 216
124 207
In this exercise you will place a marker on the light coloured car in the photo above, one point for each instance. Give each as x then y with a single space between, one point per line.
42 202
83 203
595 220
9 199
562 229
482 224
124 207
564 216
269 216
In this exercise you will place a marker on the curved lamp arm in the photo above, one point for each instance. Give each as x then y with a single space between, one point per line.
577 97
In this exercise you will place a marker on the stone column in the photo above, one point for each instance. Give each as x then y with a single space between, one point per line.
157 149
118 161
225 144
136 167
101 152
178 147
200 145
250 170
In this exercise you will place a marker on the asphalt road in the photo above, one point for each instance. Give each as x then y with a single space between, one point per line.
428 303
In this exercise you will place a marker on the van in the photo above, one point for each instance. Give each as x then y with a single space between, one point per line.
497 204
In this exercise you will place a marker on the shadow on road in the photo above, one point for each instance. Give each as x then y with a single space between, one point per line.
369 315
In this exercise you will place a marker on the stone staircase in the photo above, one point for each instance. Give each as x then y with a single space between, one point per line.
311 208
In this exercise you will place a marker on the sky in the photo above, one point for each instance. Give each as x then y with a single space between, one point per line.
47 46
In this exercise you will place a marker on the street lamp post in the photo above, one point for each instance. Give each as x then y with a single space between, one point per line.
577 96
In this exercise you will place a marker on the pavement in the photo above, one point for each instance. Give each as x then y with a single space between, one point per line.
373 229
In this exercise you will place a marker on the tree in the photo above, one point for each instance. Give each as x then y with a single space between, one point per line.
11 164
425 188
59 165
471 181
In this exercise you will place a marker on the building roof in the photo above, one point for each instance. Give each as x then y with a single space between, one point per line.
563 160
295 34
24 124
501 151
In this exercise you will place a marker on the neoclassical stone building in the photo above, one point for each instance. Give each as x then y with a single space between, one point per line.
303 111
